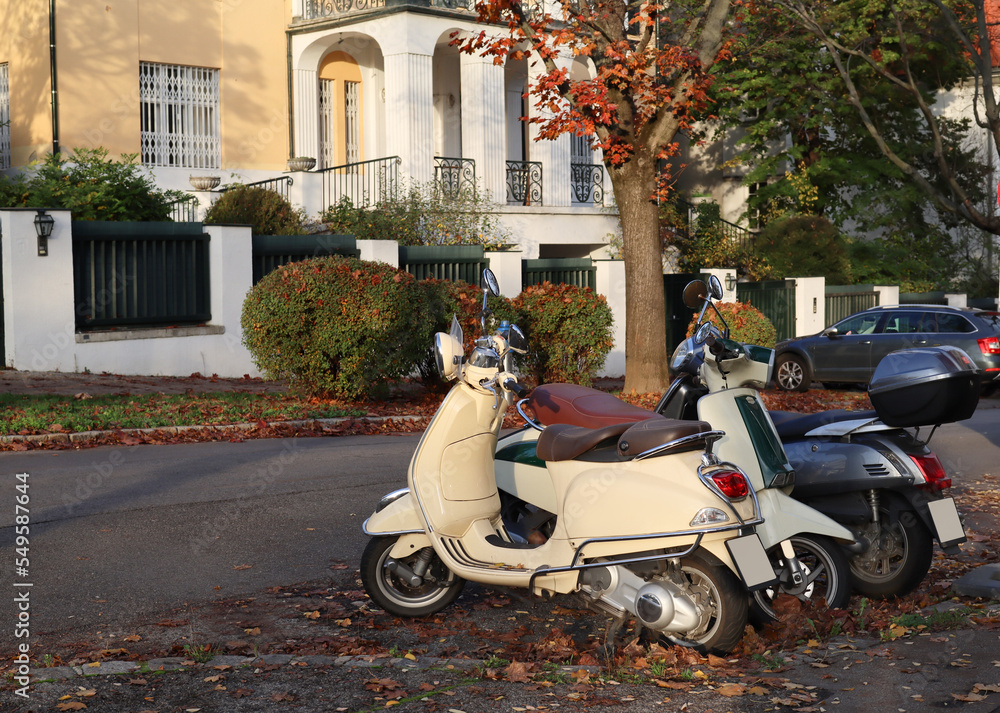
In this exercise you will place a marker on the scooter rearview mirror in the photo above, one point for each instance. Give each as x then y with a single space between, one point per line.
695 294
715 287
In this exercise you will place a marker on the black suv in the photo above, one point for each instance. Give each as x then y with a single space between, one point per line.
849 351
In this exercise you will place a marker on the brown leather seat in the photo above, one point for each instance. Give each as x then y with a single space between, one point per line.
583 406
563 441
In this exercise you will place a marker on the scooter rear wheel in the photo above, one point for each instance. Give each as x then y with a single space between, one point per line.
898 559
439 588
826 576
721 598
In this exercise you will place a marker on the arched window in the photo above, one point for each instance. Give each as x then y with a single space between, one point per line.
340 110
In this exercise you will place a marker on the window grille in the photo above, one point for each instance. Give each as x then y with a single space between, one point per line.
327 124
180 116
352 120
4 117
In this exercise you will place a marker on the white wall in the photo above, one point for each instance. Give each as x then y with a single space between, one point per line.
810 305
40 326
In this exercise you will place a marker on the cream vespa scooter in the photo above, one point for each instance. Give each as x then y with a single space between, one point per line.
650 523
804 545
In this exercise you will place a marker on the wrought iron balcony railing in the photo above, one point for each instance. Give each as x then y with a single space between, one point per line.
524 183
588 182
453 175
278 185
365 183
321 9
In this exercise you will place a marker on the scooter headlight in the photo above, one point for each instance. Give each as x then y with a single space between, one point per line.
448 354
682 355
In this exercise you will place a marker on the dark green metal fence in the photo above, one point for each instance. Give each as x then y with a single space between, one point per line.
922 298
140 274
844 300
446 262
775 299
273 251
568 271
678 315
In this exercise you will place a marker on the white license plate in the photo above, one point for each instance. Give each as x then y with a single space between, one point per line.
751 561
944 515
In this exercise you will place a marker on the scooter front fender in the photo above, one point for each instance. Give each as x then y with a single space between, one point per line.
399 518
784 517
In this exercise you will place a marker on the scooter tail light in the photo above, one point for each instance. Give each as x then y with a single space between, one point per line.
932 470
989 345
732 483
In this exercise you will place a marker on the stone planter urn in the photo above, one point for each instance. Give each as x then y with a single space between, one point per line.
301 163
204 183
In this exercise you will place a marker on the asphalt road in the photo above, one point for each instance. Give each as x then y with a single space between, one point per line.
119 532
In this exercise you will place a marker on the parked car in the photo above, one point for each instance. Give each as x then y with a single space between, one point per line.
849 351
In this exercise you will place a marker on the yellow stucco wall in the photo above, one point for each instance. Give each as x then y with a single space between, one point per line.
100 44
24 46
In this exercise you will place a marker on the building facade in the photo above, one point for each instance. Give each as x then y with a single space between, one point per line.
374 91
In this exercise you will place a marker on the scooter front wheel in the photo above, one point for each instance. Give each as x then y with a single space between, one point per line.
824 575
720 598
393 589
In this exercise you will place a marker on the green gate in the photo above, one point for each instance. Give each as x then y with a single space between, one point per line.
272 251
844 300
559 271
775 299
678 315
463 263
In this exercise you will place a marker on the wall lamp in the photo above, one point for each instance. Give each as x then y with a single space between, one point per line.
43 228
730 282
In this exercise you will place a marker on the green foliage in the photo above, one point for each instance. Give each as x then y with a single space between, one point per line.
784 96
337 325
747 324
422 215
92 186
708 246
805 246
569 332
266 210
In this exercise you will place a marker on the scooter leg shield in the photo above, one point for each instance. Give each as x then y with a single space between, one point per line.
784 517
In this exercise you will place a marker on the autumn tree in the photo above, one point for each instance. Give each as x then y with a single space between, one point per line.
783 95
651 71
915 47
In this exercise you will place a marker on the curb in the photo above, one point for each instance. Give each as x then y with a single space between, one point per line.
114 668
174 430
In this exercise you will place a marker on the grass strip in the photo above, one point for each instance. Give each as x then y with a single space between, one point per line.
22 414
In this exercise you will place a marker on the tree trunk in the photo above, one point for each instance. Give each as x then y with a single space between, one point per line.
646 367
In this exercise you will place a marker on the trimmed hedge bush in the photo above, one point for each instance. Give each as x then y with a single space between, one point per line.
569 332
266 210
337 326
746 323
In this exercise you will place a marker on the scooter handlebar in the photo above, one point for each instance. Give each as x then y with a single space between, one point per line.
514 387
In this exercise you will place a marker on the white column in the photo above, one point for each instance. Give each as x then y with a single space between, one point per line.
483 126
554 155
810 305
409 113
386 251
306 113
506 265
610 282
38 297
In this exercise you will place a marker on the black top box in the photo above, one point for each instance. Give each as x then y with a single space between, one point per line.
925 387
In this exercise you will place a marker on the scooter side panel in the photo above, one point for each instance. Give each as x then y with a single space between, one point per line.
654 495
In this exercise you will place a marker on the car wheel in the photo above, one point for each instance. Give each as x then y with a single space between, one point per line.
792 373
